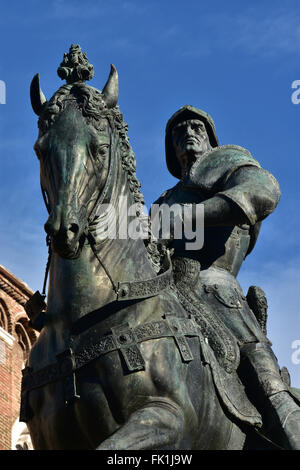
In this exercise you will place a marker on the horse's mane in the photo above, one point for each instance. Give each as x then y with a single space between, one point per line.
90 102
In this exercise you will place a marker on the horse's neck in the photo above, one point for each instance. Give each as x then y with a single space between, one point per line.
78 287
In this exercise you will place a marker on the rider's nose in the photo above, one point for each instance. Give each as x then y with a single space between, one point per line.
188 130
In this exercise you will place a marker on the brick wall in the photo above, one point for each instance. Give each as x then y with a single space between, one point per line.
5 397
16 338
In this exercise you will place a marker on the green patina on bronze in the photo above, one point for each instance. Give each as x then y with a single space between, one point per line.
126 347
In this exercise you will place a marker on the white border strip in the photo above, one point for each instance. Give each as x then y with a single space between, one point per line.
8 338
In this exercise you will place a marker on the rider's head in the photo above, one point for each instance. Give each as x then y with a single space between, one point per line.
190 132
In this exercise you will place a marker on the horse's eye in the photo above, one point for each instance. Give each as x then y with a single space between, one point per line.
40 146
102 150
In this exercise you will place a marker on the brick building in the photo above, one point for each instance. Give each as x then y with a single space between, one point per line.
16 339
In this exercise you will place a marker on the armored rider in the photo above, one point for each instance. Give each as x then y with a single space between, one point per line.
237 195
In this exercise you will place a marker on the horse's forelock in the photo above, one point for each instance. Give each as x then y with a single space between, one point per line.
87 99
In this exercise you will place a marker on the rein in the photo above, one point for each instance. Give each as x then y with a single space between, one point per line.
132 290
91 242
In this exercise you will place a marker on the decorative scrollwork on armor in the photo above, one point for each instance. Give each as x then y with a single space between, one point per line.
221 340
186 271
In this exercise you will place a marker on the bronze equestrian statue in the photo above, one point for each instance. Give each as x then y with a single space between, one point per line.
124 359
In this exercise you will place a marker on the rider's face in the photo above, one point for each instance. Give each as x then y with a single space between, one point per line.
190 141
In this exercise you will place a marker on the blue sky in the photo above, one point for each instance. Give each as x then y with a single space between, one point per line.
236 60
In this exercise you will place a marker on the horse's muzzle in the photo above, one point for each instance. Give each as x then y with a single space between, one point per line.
65 249
66 235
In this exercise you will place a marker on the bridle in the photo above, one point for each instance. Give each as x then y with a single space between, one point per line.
127 290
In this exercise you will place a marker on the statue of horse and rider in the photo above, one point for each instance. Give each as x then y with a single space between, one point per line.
138 350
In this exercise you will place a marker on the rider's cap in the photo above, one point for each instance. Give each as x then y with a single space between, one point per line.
184 113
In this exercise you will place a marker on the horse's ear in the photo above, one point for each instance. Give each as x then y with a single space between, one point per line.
36 95
110 91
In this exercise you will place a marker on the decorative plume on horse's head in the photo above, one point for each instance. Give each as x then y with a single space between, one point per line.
75 66
76 69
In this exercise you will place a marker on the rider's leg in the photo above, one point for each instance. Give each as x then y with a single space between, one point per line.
265 371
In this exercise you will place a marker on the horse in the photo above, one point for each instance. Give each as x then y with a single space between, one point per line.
119 363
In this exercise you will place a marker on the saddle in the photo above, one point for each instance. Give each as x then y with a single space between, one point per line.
221 348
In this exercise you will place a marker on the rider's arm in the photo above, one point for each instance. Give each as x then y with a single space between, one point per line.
248 196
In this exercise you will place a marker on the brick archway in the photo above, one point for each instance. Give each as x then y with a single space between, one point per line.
5 317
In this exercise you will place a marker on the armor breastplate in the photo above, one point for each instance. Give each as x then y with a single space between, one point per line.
224 247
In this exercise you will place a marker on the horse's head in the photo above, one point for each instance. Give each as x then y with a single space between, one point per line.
73 148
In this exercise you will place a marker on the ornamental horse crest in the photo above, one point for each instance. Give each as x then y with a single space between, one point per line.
128 357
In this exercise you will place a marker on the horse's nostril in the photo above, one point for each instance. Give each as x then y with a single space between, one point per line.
74 228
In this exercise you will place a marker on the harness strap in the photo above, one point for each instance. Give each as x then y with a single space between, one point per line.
48 243
130 290
90 239
123 339
127 290
149 287
36 305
